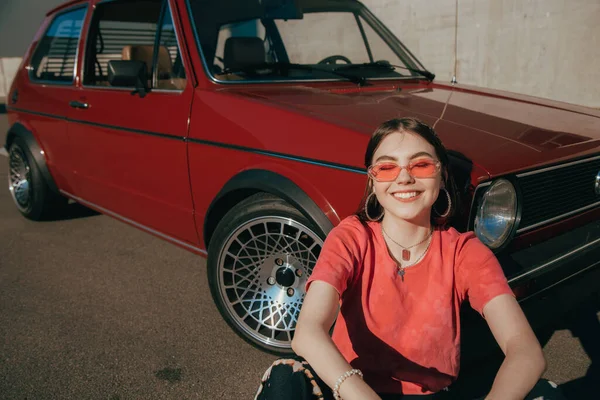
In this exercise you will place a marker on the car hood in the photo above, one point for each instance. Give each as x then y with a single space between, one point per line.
497 131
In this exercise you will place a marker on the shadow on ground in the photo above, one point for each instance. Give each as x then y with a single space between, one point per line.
477 377
72 211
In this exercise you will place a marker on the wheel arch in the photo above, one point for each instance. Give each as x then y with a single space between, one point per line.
250 182
20 131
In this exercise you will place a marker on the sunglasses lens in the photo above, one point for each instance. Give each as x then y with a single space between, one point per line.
385 172
423 169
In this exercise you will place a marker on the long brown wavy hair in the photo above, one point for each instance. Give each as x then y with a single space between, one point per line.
411 125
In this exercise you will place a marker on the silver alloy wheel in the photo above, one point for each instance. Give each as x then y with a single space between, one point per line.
19 178
263 268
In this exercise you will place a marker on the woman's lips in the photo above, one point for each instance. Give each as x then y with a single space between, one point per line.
406 197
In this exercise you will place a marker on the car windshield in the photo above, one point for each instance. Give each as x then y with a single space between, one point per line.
288 40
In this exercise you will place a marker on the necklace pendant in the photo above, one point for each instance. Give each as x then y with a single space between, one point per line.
405 255
401 273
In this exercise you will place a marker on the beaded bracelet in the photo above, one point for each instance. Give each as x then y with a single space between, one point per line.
341 379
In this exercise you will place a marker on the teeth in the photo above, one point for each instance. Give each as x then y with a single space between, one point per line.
406 195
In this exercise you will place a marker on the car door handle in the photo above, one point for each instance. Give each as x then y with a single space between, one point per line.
78 104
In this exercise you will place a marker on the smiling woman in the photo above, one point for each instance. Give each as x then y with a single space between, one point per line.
401 276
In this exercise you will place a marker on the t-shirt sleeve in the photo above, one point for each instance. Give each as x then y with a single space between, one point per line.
479 276
339 257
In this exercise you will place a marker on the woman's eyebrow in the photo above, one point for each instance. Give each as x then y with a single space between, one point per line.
389 158
421 153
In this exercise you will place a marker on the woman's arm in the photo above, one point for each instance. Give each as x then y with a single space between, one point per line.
312 341
524 362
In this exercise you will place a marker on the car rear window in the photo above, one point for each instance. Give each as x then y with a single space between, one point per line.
56 54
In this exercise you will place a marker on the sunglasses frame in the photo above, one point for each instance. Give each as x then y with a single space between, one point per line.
438 167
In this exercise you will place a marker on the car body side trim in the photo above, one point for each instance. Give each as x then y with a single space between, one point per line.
122 128
132 130
554 261
11 108
589 267
285 156
135 224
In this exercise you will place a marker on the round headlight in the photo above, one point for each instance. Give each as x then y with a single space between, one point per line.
497 214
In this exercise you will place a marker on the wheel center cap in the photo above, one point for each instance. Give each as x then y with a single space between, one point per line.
285 277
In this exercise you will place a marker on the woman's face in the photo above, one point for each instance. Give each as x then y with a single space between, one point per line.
407 197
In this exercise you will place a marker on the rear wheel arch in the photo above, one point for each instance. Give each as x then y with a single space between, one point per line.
250 182
18 130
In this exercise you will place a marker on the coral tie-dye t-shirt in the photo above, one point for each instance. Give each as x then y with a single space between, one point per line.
405 335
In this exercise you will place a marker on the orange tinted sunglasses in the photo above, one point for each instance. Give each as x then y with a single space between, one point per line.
389 171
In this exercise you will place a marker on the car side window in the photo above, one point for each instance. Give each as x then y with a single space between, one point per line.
120 30
170 72
56 54
127 30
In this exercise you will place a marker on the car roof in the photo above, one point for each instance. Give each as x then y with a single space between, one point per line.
65 5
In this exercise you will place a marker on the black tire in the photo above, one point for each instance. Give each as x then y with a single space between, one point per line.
30 192
259 258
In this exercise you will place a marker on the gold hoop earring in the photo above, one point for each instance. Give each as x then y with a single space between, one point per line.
367 209
445 214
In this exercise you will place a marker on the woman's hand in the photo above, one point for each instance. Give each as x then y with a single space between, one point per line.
524 362
313 343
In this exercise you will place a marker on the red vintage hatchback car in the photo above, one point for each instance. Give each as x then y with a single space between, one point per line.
236 129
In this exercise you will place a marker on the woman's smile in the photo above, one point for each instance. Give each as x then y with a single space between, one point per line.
406 196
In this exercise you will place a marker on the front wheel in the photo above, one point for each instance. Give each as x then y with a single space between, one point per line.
259 260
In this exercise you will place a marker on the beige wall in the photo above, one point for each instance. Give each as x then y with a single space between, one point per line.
8 69
546 48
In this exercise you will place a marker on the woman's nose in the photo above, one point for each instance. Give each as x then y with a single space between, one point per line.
404 176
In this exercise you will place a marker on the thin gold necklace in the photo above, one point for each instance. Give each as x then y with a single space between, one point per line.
402 268
405 250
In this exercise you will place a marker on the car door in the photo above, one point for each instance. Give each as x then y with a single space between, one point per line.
131 155
44 87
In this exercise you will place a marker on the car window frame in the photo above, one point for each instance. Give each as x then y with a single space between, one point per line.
160 20
363 34
29 67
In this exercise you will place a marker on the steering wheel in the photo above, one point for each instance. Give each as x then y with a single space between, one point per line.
333 59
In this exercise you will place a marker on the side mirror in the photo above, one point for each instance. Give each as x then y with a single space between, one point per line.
129 73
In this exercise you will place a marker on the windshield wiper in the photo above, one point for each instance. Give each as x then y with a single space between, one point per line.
282 66
386 65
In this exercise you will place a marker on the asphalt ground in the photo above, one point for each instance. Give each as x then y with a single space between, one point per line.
91 308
